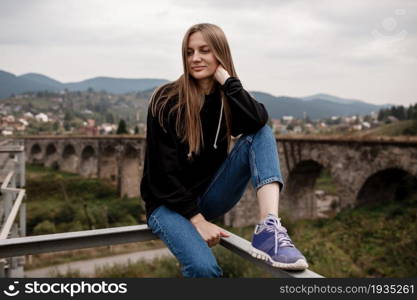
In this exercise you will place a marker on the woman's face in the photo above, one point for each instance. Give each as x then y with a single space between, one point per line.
202 63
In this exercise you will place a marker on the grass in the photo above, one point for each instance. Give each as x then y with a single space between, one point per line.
374 241
392 129
325 183
61 202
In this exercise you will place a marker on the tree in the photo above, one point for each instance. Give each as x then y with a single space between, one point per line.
68 116
109 118
55 126
122 128
367 118
382 114
67 125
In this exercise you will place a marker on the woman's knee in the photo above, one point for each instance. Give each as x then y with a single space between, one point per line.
264 132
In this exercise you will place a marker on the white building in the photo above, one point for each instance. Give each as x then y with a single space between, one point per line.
23 121
287 118
9 119
107 128
7 132
298 129
28 115
366 125
41 117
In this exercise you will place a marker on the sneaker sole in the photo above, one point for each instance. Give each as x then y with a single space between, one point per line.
299 265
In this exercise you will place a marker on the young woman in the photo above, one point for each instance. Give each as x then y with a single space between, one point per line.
189 178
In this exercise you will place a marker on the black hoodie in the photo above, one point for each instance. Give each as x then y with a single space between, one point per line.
172 180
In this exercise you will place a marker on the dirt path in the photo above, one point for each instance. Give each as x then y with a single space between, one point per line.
87 267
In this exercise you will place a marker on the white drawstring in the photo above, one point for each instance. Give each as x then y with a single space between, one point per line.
218 126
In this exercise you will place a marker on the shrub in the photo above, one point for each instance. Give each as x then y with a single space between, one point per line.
45 227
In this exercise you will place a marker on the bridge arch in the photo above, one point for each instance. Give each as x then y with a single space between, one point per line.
302 198
390 184
51 156
299 193
36 153
70 159
88 165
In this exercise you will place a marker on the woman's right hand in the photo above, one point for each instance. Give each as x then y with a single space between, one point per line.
221 75
210 232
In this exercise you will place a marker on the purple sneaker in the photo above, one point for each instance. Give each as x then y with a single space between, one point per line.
271 243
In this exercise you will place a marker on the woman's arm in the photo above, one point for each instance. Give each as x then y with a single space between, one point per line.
162 171
248 115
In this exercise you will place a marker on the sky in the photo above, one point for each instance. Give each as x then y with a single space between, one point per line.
354 49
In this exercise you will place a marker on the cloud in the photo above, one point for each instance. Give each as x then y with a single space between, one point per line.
281 47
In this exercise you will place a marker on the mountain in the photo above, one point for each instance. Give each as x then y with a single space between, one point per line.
115 85
331 98
314 108
335 99
32 82
317 106
12 84
43 80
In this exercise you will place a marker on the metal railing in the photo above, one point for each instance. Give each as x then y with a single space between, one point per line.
120 235
12 196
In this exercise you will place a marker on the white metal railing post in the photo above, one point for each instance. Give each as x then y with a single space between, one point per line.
22 219
13 195
21 168
13 260
7 203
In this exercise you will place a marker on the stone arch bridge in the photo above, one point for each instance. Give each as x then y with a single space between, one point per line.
117 158
363 169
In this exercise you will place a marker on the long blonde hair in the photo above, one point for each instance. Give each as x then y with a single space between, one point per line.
190 97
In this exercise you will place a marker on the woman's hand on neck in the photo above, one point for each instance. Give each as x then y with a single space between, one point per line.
221 75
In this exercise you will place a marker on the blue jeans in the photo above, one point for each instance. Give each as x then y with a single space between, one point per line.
254 156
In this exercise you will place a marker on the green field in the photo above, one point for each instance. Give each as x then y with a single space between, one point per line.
62 202
400 128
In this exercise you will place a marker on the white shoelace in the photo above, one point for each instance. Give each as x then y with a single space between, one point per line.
273 224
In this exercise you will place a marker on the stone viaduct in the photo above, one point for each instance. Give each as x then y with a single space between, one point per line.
363 169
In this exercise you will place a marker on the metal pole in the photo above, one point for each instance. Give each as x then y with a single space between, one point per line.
21 169
22 219
2 268
7 203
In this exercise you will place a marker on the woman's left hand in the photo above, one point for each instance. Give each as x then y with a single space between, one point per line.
221 74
